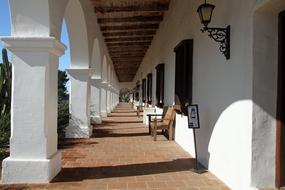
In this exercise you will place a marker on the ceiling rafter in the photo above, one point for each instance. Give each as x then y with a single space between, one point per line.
128 28
130 19
129 33
151 6
147 38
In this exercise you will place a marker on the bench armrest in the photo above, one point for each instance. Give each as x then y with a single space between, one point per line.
153 115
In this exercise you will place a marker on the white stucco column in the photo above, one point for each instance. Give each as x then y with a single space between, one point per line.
96 101
108 101
34 157
104 99
113 103
111 100
79 100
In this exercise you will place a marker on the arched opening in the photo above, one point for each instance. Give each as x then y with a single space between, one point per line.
63 85
77 30
79 98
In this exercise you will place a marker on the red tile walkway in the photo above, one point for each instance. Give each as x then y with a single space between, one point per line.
121 155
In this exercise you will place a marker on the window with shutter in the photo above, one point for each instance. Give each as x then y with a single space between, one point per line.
183 74
160 85
149 88
144 90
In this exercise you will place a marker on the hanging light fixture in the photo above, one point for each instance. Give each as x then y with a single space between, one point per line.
221 35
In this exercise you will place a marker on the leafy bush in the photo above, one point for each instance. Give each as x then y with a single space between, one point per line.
5 103
63 105
4 135
62 118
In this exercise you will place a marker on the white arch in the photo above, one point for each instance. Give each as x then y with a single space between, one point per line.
96 59
77 31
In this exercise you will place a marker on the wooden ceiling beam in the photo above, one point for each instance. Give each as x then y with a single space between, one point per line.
147 38
120 44
126 68
127 56
131 19
126 63
151 6
130 61
130 27
129 33
128 48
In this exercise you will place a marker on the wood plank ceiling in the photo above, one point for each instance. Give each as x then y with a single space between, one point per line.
128 27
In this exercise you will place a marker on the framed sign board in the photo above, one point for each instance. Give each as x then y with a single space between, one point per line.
193 117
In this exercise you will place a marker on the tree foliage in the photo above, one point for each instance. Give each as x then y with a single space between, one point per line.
5 102
62 90
63 104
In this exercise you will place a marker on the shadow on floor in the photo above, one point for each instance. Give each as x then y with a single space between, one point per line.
69 143
81 173
107 122
119 111
101 133
113 115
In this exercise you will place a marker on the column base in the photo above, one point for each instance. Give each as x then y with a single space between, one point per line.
18 171
104 114
76 131
96 119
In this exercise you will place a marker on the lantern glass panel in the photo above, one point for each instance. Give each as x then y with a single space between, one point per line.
205 12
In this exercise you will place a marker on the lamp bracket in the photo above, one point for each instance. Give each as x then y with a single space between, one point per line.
222 36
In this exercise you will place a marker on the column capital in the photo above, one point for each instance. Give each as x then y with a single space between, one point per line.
104 84
96 81
80 72
34 44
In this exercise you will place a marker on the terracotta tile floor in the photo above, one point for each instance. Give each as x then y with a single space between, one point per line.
121 155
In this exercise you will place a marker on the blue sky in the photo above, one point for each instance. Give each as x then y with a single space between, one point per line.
5 30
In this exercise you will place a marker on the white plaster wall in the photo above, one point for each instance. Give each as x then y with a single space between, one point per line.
265 64
223 89
184 135
30 18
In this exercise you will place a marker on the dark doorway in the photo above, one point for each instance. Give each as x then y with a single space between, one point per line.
280 133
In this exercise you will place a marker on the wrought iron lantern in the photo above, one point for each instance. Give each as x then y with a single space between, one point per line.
220 35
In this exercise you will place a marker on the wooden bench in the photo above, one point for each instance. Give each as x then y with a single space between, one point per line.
139 109
166 123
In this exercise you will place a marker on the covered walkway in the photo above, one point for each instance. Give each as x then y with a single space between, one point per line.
121 155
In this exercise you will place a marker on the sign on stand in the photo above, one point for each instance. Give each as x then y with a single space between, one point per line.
194 123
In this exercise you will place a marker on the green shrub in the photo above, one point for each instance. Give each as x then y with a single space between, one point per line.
4 135
62 118
63 105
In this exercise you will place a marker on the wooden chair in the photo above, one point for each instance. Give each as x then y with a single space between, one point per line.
166 123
